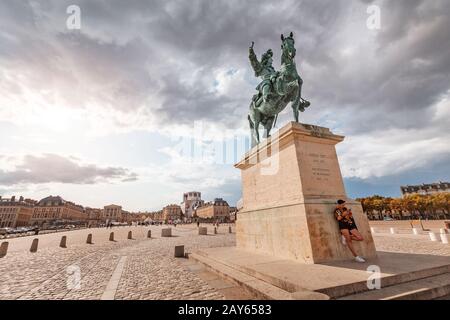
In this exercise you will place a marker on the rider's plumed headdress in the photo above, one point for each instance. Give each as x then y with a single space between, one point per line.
266 56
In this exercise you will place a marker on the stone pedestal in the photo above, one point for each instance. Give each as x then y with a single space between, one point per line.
290 184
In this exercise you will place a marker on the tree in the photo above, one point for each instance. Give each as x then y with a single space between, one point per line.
396 205
417 205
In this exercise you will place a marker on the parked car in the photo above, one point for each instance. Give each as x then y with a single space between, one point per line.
5 231
388 219
21 230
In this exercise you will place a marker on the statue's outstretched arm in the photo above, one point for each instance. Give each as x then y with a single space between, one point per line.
256 65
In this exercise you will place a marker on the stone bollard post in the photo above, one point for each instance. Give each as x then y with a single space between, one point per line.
4 249
167 232
179 251
111 236
202 231
130 235
149 234
415 231
63 241
229 230
444 238
215 230
393 231
89 238
372 230
433 236
34 245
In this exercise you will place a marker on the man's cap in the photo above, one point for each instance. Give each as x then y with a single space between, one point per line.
340 201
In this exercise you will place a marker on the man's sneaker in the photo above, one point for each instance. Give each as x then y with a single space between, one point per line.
344 242
359 259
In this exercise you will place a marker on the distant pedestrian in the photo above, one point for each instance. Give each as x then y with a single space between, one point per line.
198 224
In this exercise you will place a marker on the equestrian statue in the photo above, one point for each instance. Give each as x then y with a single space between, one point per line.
276 90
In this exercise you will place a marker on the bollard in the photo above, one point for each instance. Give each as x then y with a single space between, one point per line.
149 234
179 251
393 231
415 231
111 236
130 235
433 236
229 230
443 231
63 241
89 238
34 245
372 229
4 249
215 230
202 231
444 238
166 232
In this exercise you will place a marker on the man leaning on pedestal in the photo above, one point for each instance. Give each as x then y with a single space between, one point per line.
348 228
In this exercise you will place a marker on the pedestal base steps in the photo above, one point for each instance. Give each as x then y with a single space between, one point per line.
402 276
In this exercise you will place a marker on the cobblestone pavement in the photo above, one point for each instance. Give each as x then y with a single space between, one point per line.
411 244
140 268
150 270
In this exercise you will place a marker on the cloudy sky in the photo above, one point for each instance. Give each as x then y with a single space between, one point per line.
149 99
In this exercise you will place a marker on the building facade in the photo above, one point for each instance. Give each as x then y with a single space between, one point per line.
94 216
191 201
112 213
217 210
132 217
15 212
172 212
426 189
56 210
156 216
233 213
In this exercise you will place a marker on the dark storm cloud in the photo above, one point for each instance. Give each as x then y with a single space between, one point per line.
139 51
54 168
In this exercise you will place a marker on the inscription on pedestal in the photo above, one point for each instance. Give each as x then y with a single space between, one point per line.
320 167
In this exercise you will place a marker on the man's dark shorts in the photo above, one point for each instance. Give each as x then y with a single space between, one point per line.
344 224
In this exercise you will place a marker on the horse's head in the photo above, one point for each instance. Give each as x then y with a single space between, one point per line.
288 47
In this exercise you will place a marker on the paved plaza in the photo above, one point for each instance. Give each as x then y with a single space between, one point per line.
140 268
